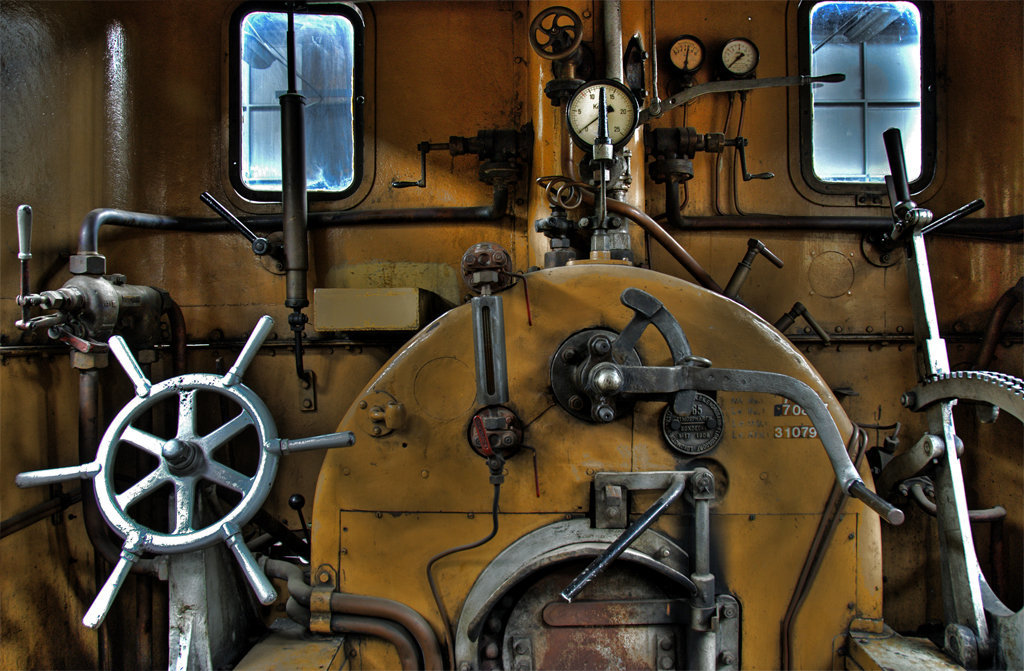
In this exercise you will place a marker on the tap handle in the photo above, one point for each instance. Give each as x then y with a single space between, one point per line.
24 232
259 244
897 164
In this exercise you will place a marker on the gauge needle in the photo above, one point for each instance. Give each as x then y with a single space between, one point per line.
736 60
609 109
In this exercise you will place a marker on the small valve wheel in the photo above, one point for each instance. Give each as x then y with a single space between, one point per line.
183 462
556 33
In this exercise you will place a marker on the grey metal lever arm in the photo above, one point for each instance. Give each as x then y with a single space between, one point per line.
644 380
625 539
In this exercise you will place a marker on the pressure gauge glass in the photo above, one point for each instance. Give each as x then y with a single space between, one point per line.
686 54
739 57
582 112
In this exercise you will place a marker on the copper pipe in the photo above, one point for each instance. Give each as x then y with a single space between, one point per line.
88 440
351 624
664 239
996 322
368 606
829 521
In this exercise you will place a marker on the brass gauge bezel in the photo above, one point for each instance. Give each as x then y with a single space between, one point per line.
688 41
622 118
738 58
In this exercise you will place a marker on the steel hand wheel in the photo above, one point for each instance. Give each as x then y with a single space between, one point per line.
184 462
556 33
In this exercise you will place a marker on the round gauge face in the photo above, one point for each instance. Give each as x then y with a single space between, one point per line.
739 57
582 113
686 54
697 433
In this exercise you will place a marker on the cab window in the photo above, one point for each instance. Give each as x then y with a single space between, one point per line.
884 50
328 45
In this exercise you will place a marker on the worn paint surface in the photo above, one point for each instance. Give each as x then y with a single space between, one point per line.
123 104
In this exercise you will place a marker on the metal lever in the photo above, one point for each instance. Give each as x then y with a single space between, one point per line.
740 143
739 276
905 212
689 94
260 245
625 539
798 310
423 148
24 254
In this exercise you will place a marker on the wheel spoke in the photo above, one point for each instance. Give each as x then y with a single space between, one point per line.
186 415
225 432
142 488
142 440
184 505
227 477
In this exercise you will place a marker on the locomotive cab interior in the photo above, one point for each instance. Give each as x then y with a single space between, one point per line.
610 334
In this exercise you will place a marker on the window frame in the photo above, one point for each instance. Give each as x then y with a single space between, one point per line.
928 113
235 107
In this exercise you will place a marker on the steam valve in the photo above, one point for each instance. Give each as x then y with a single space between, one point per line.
798 310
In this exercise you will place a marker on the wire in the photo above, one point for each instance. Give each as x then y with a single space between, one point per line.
447 553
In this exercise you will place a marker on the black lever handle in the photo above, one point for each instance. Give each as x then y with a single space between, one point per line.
897 164
955 215
260 245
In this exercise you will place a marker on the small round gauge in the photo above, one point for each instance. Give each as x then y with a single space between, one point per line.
581 113
686 54
739 57
697 433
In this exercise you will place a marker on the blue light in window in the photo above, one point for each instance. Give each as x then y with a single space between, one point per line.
324 46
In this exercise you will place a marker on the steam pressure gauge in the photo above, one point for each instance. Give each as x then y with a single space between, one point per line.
686 53
739 58
581 113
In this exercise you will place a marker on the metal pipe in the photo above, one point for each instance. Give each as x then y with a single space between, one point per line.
350 624
664 239
994 514
969 227
39 512
995 324
293 183
368 606
88 439
179 338
611 15
91 224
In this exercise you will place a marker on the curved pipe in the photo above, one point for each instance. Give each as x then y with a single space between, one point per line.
1005 303
89 231
350 624
661 235
367 606
987 515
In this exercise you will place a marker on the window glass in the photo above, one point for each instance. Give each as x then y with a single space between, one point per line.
325 76
878 46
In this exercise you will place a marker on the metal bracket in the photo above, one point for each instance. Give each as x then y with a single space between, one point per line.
307 392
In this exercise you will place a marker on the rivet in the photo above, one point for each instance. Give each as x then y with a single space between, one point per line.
346 471
424 474
376 430
362 405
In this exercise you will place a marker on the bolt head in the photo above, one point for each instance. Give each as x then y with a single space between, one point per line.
575 402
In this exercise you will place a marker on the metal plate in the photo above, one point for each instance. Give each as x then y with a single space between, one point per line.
697 433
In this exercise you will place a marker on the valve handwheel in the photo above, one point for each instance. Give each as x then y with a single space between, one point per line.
556 33
184 461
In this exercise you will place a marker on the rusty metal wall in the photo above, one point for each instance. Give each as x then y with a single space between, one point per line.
123 104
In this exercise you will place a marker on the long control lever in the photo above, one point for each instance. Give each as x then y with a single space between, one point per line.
967 628
603 379
739 276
